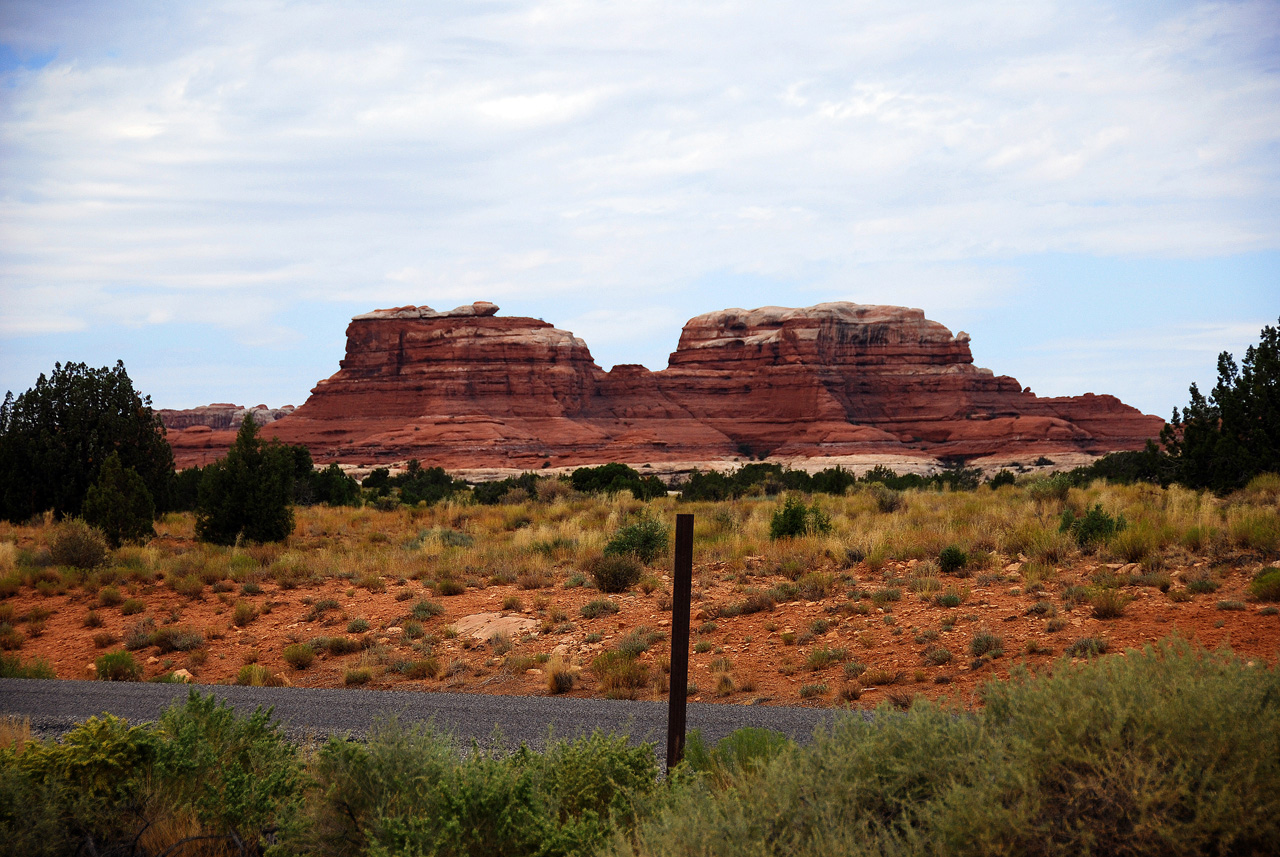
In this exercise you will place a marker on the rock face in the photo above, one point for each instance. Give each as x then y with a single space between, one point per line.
468 388
220 416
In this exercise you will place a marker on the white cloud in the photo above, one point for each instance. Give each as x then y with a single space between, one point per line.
229 163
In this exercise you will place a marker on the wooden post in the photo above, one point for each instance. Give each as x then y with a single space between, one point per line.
681 584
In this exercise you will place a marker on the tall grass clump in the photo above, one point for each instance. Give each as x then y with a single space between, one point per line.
411 791
1172 750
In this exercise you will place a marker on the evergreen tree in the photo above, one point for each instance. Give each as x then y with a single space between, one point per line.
246 495
55 438
119 504
1223 441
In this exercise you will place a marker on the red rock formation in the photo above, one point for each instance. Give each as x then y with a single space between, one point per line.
469 389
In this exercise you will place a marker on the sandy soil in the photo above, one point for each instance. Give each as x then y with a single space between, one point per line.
766 652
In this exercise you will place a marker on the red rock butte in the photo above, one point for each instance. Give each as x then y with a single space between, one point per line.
469 389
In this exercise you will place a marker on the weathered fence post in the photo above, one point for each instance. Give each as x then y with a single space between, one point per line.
681 584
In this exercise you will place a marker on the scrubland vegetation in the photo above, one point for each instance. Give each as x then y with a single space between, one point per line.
1168 750
877 593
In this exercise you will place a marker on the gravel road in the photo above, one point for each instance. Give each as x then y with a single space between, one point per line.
55 705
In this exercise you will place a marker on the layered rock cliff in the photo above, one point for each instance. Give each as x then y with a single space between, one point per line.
467 388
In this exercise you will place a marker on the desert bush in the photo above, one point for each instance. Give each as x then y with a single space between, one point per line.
118 666
615 572
10 637
426 609
357 676
824 656
1201 584
298 655
952 559
11 666
597 608
342 645
1087 647
620 675
132 607
1042 768
937 656
793 519
986 644
1108 603
423 668
176 639
1095 528
244 613
447 586
357 626
1265 585
887 499
77 545
412 791
645 538
560 677
639 641
256 675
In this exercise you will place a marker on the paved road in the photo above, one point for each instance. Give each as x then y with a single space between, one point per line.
55 705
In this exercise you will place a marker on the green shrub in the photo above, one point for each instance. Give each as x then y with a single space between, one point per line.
810 690
357 675
743 752
118 666
447 586
952 559
793 519
244 613
77 545
824 656
986 644
236 774
426 610
937 656
615 572
412 792
1202 584
639 641
11 666
10 637
298 655
645 538
343 645
357 626
1095 528
132 607
1108 603
1113 756
619 674
177 639
597 608
887 499
109 596
256 675
1265 585
1087 647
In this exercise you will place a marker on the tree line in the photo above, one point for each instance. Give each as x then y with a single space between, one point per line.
84 443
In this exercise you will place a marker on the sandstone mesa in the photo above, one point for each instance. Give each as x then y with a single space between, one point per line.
832 383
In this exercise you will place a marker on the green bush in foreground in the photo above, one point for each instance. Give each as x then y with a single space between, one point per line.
1167 751
1171 750
410 791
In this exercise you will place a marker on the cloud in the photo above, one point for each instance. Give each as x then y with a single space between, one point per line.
229 163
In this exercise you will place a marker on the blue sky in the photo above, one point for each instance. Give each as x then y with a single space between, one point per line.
209 191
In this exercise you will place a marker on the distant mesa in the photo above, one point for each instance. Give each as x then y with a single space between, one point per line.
831 383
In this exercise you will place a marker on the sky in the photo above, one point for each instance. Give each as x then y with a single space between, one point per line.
209 191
